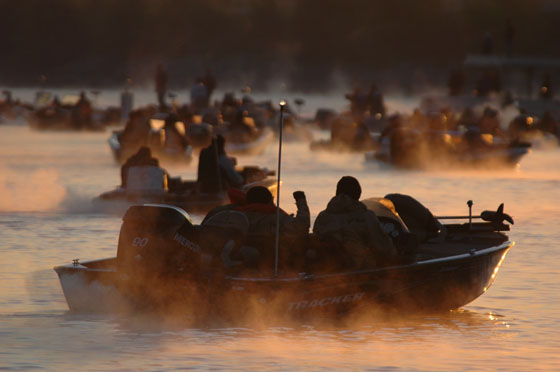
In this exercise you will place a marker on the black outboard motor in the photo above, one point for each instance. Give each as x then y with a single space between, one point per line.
158 239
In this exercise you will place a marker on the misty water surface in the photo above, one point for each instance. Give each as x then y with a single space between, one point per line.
47 181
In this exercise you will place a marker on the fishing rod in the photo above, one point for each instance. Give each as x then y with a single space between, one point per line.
276 244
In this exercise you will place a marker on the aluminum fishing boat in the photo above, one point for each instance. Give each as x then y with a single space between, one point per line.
166 263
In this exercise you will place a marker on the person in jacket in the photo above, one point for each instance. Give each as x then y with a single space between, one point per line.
216 170
261 213
174 138
161 86
348 224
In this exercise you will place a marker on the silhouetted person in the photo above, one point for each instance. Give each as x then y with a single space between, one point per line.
209 173
358 102
209 82
136 130
229 100
240 122
199 96
521 125
375 103
417 119
127 101
354 228
489 122
81 113
467 118
419 220
56 103
161 86
473 139
261 213
508 99
174 138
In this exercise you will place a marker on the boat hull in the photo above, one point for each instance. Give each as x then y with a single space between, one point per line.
504 157
430 285
119 200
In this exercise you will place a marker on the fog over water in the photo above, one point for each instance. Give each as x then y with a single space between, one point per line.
47 182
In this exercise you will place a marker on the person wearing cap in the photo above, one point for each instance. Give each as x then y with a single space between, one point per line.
174 138
216 170
261 213
347 223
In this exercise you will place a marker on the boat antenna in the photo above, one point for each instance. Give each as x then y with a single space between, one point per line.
276 244
470 204
214 144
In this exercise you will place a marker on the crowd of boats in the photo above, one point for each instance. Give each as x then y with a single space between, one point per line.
227 266
443 131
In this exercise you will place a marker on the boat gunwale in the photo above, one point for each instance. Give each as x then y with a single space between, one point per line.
504 246
309 276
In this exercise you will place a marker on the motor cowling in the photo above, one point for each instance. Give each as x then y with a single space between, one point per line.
158 238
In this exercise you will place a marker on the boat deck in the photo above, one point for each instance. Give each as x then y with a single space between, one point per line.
457 244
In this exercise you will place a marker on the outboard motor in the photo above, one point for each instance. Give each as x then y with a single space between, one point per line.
158 239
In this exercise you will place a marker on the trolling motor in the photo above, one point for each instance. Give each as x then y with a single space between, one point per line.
496 219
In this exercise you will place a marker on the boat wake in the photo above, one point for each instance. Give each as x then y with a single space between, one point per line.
37 191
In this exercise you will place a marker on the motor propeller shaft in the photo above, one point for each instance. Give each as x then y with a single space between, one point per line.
496 217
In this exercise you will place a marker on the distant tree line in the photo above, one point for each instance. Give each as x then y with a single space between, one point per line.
101 42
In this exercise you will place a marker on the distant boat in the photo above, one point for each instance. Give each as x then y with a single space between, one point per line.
451 152
149 184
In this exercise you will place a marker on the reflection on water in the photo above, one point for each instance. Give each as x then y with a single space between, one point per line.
381 341
47 181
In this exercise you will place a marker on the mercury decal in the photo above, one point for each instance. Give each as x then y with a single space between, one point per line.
186 243
325 301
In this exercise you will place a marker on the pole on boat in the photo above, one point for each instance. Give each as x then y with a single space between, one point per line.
276 244
470 204
214 143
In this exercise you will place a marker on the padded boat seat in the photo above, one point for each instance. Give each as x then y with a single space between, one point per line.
385 211
146 179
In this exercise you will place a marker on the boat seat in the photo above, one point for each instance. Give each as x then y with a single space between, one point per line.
146 179
390 220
